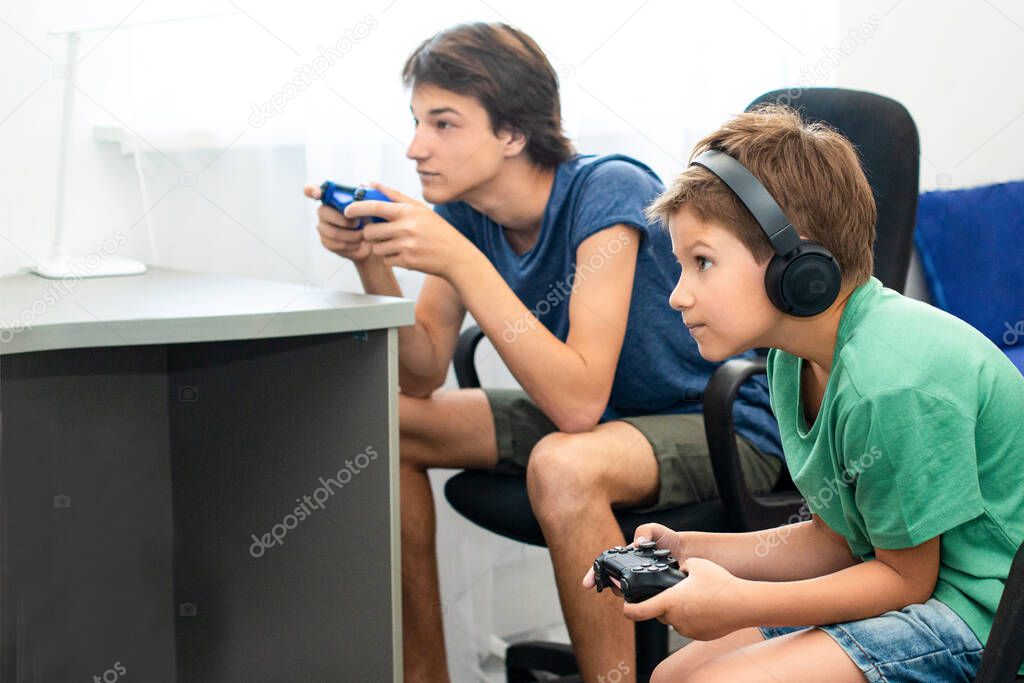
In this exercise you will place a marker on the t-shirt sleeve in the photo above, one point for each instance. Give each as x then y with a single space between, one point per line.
912 458
615 192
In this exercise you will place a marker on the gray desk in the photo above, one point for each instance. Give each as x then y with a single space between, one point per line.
158 432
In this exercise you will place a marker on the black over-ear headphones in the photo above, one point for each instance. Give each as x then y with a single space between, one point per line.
803 278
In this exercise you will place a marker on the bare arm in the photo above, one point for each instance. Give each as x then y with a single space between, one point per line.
796 551
425 348
891 581
726 602
570 381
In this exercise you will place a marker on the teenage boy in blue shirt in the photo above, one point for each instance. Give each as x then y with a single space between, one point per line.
553 256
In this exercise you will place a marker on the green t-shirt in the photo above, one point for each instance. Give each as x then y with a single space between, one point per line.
920 434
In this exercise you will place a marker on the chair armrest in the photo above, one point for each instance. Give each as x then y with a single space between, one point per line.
1004 650
745 512
463 359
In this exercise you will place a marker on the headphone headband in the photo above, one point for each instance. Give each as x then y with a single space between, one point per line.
753 195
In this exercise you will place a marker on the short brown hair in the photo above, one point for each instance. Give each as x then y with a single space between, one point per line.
811 170
507 72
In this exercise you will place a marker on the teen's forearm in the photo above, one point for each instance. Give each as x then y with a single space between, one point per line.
554 375
865 590
419 369
788 553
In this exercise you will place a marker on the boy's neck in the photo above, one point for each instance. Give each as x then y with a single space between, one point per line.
515 198
813 339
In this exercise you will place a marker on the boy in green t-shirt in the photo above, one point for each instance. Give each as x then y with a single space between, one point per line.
901 427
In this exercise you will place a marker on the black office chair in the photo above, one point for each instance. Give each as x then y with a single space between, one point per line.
1004 651
886 137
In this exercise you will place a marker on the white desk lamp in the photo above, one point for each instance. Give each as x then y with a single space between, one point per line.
60 263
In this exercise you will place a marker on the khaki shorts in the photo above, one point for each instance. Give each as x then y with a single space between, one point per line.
678 442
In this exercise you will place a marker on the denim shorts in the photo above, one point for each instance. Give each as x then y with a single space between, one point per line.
928 642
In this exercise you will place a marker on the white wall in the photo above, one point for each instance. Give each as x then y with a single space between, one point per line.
956 66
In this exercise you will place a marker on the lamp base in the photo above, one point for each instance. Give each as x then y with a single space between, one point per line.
57 268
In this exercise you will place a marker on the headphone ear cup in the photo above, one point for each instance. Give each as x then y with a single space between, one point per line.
804 282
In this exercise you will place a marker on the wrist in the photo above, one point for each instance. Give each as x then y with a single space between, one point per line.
370 265
689 545
460 269
754 602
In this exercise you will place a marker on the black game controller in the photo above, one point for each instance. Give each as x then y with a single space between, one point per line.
640 573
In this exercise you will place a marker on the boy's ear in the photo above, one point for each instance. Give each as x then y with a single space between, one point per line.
514 141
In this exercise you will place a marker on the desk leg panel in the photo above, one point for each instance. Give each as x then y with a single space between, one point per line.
85 516
283 509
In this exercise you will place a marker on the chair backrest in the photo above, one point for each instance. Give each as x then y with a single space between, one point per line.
885 135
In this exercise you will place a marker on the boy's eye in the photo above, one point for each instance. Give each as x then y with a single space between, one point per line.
444 125
702 263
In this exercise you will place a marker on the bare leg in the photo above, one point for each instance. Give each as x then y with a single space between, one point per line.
573 480
680 665
803 656
450 429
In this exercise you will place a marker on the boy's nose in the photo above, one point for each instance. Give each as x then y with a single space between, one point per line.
681 298
416 150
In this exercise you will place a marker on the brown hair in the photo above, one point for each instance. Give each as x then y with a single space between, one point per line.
507 72
811 170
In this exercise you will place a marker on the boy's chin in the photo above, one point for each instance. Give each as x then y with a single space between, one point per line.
716 353
711 356
437 193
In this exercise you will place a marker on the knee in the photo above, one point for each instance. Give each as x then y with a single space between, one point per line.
560 477
680 666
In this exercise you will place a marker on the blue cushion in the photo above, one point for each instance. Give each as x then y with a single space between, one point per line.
971 244
1016 354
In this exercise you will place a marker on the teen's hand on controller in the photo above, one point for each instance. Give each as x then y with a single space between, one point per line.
337 233
709 603
414 236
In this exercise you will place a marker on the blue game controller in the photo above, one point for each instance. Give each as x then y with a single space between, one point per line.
340 196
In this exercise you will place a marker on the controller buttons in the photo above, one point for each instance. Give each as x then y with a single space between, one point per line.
662 552
647 545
